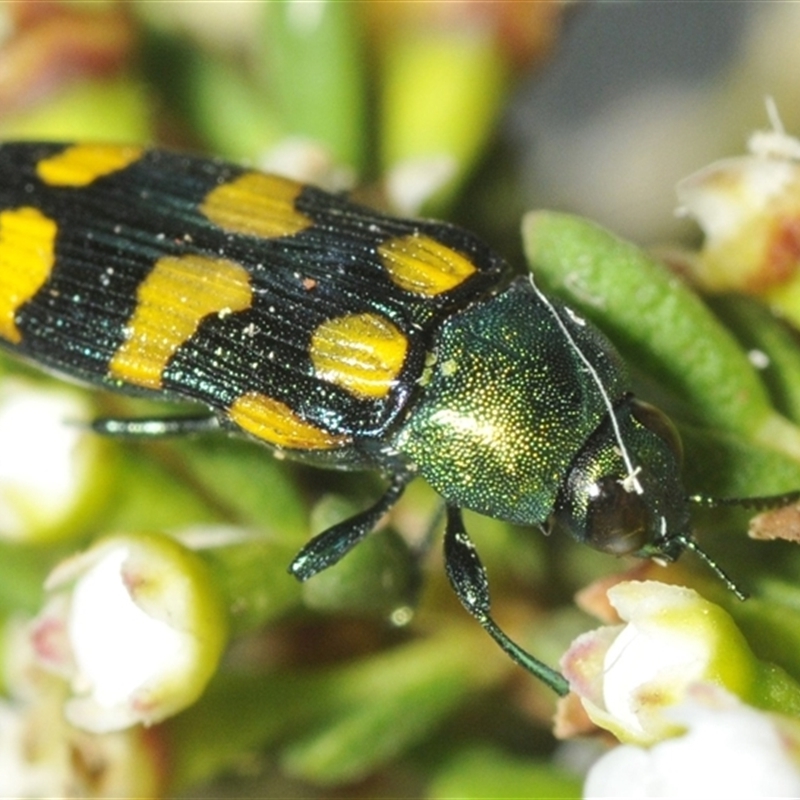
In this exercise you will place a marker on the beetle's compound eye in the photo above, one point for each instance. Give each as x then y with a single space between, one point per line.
617 519
622 493
604 513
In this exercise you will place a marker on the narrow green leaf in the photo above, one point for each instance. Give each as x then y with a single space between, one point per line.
658 323
313 64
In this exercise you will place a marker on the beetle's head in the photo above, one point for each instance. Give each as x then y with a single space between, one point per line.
622 493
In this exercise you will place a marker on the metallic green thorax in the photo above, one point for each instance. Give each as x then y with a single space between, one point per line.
509 402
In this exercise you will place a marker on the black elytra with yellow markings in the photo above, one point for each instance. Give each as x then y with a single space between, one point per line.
337 335
297 316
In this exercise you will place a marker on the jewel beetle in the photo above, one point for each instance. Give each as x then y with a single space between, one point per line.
339 336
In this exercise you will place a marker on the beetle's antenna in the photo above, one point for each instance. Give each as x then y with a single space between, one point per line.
691 544
758 503
631 482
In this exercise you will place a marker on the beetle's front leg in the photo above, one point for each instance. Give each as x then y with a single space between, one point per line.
330 546
468 578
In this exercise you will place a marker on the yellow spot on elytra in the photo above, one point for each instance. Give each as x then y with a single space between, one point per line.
256 204
424 266
362 353
274 422
172 301
82 164
27 254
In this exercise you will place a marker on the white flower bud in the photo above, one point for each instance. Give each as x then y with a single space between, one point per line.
137 626
629 676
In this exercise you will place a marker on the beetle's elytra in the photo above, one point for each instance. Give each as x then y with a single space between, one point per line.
337 335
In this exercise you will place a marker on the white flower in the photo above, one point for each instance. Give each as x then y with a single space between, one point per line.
628 676
136 625
46 463
749 210
728 750
43 756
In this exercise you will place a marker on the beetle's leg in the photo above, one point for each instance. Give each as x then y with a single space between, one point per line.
328 547
153 428
468 578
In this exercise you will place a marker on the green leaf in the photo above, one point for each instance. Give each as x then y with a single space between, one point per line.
761 333
658 323
313 64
